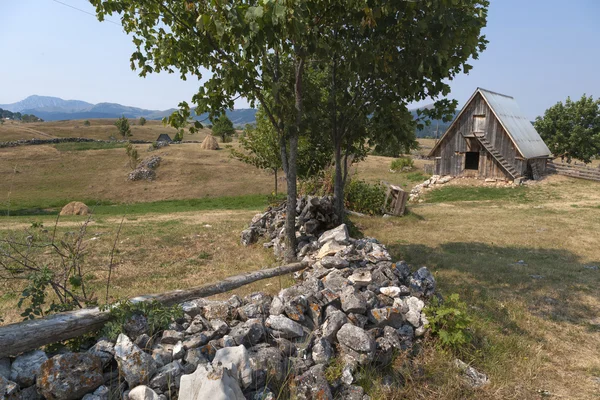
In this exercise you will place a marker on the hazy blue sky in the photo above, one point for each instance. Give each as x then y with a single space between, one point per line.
540 52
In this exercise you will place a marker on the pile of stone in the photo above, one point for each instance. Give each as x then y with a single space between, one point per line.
314 215
145 170
352 306
436 180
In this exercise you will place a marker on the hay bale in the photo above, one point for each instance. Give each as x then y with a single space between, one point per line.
75 208
209 143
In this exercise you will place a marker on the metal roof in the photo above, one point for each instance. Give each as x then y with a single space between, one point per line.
521 130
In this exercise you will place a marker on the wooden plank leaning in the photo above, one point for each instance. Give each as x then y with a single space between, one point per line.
25 336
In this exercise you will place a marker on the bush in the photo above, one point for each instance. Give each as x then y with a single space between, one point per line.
142 121
86 123
402 164
364 197
132 153
449 321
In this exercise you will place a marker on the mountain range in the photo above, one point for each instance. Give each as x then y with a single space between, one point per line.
54 109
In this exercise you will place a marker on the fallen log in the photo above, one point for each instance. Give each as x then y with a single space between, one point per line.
25 336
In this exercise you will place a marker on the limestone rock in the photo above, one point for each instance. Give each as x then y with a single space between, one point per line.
357 340
284 326
167 377
142 393
312 385
474 378
135 365
7 388
70 376
5 367
210 383
103 349
268 366
353 301
338 235
235 356
25 368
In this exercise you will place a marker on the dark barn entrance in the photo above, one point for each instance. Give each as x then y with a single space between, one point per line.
472 160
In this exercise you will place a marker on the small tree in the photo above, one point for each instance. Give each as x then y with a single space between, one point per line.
122 125
142 121
572 130
132 153
261 146
223 127
86 123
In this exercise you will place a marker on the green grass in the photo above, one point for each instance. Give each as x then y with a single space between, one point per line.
82 146
477 193
248 202
417 176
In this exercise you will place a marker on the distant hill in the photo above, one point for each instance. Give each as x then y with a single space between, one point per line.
55 108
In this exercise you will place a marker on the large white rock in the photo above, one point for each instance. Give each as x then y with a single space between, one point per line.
338 234
135 365
238 356
329 249
210 383
142 393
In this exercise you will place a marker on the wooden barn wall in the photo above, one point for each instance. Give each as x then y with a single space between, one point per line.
454 145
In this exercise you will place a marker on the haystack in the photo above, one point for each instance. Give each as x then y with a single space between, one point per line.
209 143
75 208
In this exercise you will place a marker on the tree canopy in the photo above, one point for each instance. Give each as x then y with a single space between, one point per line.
223 127
122 125
361 58
572 130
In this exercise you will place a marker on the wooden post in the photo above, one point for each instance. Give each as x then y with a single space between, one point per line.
29 335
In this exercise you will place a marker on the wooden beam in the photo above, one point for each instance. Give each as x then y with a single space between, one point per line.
29 335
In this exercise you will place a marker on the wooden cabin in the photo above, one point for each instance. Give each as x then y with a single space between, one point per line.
490 138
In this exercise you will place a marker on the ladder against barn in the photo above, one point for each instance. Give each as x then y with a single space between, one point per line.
508 167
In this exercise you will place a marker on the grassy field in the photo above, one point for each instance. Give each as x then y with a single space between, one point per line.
98 129
517 256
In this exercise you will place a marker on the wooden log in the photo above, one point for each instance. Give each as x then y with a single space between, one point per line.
25 336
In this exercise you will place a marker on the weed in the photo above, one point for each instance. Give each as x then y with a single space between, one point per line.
450 321
157 315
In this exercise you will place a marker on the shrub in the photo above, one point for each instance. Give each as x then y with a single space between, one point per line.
86 123
122 125
402 164
449 321
364 197
158 316
142 121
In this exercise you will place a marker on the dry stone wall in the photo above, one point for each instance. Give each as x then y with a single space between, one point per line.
354 305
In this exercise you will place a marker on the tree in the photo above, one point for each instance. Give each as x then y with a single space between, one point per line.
572 130
243 44
223 127
142 121
122 125
379 58
86 123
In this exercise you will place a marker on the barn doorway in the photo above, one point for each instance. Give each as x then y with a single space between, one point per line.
472 160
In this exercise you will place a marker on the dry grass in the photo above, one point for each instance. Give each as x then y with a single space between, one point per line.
99 129
532 335
45 176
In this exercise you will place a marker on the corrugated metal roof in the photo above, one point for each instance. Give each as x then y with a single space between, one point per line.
528 141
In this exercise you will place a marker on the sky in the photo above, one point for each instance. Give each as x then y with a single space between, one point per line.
540 52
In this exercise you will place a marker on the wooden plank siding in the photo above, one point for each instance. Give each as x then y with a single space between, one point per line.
450 155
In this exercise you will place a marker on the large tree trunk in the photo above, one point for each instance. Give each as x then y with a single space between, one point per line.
292 192
338 186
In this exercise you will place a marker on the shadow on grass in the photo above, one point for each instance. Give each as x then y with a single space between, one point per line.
552 284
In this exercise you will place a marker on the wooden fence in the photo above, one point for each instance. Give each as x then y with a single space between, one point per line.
575 171
29 335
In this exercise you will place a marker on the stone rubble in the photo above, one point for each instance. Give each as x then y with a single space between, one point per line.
145 170
420 189
352 304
